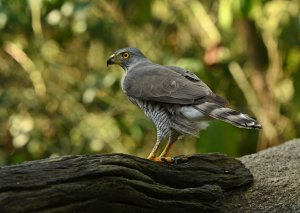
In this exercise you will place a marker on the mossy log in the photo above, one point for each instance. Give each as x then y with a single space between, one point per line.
121 183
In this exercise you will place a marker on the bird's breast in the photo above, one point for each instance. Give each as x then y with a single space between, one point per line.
122 83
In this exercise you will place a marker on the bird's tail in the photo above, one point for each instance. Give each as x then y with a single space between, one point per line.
228 115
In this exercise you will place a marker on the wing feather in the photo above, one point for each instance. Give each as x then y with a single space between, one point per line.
167 84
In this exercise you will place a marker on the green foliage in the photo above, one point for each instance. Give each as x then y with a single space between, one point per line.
57 96
219 137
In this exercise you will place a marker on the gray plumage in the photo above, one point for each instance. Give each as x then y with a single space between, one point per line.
175 99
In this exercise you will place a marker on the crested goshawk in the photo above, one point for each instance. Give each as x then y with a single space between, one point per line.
175 99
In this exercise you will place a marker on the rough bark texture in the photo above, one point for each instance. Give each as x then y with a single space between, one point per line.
276 185
121 183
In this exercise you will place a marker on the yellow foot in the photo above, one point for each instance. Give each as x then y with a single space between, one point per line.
161 159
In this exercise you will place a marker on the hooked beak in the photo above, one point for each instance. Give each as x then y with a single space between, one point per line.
111 60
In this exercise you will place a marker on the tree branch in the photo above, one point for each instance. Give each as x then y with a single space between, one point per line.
119 182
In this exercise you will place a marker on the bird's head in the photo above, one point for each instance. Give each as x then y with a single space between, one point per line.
126 57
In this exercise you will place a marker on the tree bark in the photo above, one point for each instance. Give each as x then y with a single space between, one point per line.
121 183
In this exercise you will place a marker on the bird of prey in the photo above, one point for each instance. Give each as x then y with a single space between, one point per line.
175 99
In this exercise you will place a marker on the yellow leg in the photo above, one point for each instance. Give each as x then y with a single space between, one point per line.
166 150
160 159
173 137
163 156
151 156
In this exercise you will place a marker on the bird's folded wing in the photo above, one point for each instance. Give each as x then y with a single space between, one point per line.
162 84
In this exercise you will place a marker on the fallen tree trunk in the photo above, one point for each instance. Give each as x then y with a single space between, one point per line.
121 183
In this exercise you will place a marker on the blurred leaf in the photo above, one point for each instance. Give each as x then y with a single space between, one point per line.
225 16
54 77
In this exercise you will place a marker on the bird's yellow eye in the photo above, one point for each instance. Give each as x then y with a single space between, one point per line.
125 55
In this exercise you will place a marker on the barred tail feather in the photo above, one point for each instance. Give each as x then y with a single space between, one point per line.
228 115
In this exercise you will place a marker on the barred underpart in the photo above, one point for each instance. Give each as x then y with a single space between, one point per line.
167 118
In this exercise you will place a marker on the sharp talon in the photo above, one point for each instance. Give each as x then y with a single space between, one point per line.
151 158
181 159
167 159
162 159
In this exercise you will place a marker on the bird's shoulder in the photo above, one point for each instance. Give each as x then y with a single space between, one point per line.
185 73
146 69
